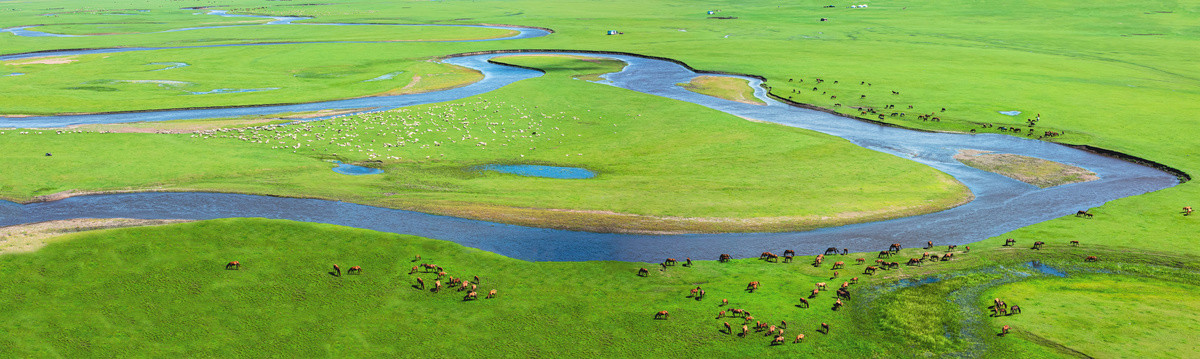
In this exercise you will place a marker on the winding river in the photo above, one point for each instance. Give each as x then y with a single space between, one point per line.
1001 204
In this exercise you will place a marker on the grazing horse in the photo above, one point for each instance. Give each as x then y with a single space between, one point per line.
860 260
1091 259
895 247
842 293
845 251
764 255
671 261
1038 245
688 263
928 244
724 302
643 272
662 315
724 258
1083 213
1004 330
772 258
728 328
804 301
745 330
821 285
838 304
464 286
825 327
777 341
694 291
1074 243
845 285
1187 210
799 338
437 286
470 296
787 259
870 270
915 261
354 270
817 261
235 265
735 312
421 282
854 280
947 256
884 254
720 314
789 252
951 247
440 275
1010 242
476 279
838 264
1014 309
414 270
814 293
337 270
829 250
491 294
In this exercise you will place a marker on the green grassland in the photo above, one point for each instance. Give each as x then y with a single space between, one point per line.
658 159
728 88
163 291
1115 75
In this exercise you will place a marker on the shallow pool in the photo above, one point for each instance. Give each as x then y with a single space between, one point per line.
540 171
348 169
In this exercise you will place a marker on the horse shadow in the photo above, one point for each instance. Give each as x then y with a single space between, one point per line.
801 306
335 274
417 287
822 331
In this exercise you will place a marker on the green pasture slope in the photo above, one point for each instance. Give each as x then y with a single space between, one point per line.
1117 75
666 160
163 291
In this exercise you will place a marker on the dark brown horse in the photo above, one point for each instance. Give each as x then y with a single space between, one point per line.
233 265
662 315
354 270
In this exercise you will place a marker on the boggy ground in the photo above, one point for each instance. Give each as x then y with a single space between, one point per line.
165 291
664 165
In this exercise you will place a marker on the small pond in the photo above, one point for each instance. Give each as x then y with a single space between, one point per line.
540 171
1010 113
348 169
1045 269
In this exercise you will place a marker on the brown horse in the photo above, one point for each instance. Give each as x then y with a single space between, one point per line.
724 302
671 261
491 294
1004 330
1016 309
437 286
1091 259
838 264
821 285
854 280
1075 243
745 330
789 252
884 254
804 301
838 304
895 247
777 341
728 328
643 272
354 270
799 338
1009 242
662 315
860 260
1187 210
470 296
825 327
476 279
441 274
725 258
235 265
337 270
414 270
720 314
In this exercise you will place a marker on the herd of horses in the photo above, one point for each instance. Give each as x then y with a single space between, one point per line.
999 307
463 285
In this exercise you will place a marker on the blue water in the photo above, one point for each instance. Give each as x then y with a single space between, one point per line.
12 74
232 91
1045 269
171 65
387 76
541 171
1010 113
348 169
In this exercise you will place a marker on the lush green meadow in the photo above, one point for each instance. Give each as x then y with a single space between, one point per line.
658 161
1117 75
163 291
